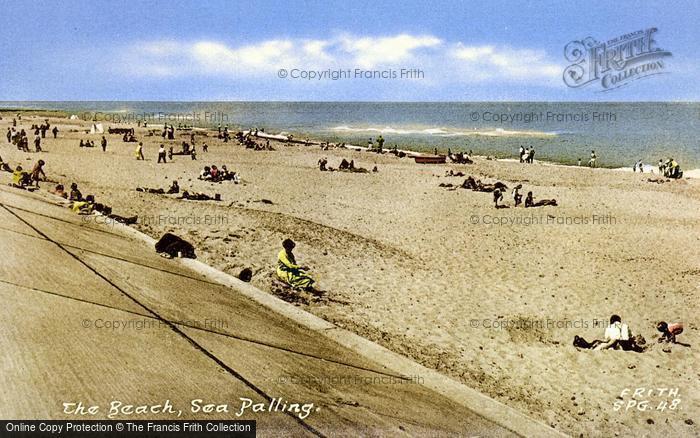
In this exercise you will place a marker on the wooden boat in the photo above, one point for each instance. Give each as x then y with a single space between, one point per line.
430 159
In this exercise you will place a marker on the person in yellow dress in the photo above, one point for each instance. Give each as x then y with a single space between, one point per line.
289 272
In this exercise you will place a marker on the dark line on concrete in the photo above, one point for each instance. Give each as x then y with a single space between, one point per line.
213 332
174 328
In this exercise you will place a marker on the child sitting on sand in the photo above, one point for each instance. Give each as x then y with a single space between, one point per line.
669 331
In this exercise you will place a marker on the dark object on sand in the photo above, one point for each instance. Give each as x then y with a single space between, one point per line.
430 159
579 342
246 275
175 246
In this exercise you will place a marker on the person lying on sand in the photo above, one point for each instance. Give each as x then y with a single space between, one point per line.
4 166
289 272
529 202
453 173
579 342
618 336
194 196
669 331
149 190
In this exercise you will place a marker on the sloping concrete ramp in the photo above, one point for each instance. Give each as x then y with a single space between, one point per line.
91 314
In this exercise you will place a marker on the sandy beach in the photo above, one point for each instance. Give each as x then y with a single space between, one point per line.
490 297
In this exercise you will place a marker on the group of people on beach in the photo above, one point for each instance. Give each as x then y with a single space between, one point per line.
527 155
344 166
670 168
214 174
618 336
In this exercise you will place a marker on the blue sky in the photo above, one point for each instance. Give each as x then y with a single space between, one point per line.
223 50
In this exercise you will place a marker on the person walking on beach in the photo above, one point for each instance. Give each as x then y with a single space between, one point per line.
37 143
521 154
139 152
103 143
38 172
593 159
55 131
380 144
9 135
161 154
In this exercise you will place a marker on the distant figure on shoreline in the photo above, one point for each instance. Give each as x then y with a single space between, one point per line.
289 272
593 159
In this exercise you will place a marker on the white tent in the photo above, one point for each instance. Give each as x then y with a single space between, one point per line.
74 117
97 129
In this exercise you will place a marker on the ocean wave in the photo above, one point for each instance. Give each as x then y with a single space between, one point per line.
444 132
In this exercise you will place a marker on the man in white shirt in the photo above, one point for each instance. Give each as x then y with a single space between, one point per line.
616 334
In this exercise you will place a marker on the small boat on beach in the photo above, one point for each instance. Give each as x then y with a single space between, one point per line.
430 159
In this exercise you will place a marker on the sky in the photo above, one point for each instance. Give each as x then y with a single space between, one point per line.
266 50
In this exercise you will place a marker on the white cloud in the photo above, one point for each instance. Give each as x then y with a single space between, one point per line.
442 61
369 52
504 63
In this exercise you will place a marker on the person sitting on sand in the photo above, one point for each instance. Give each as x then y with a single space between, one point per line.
59 191
205 173
75 194
322 164
174 188
669 331
529 202
289 272
82 144
214 173
497 196
517 197
20 178
618 336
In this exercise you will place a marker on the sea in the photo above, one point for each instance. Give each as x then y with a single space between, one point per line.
620 133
